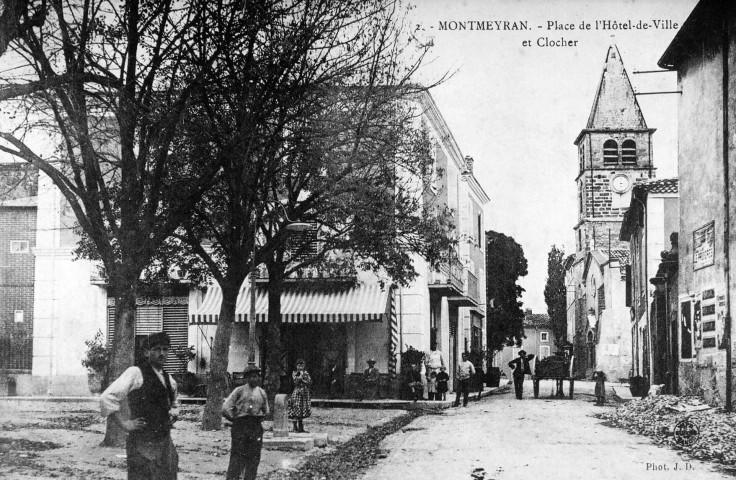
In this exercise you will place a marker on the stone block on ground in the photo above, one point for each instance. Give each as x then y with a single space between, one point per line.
288 443
622 393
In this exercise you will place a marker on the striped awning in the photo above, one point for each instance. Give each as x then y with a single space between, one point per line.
304 303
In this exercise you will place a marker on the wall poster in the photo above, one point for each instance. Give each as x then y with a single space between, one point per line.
704 246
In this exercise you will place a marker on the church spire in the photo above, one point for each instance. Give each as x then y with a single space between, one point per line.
615 106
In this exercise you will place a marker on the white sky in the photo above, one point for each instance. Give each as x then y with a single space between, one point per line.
517 110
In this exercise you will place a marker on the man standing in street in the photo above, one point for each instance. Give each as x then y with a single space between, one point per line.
465 371
150 393
246 407
521 368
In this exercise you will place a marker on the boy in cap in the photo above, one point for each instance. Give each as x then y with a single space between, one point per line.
246 407
150 394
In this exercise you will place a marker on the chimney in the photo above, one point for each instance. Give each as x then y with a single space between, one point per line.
469 163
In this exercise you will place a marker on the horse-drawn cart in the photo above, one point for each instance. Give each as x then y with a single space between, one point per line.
556 368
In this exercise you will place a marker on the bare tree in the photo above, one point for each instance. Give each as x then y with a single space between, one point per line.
312 122
113 83
16 17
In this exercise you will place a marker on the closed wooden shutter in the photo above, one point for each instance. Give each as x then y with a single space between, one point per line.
175 323
110 325
148 320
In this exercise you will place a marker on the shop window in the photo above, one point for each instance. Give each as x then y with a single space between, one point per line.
610 152
628 152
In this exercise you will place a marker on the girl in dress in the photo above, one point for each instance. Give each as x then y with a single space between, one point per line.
300 401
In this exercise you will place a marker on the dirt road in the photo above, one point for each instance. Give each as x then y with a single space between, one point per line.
503 438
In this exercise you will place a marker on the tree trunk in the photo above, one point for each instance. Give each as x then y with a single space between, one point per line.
123 347
275 349
219 357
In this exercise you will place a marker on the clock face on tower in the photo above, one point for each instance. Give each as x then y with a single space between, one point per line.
621 183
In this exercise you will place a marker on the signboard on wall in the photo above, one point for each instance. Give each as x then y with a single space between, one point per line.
704 246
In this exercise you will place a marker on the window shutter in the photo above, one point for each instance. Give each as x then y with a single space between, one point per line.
176 325
148 320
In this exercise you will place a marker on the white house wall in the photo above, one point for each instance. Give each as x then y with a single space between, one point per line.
613 352
68 309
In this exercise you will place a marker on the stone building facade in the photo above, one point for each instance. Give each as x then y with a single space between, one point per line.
702 54
614 152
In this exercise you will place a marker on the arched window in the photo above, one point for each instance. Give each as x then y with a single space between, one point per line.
610 152
628 151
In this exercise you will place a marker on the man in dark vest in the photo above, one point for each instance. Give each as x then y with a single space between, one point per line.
150 394
521 368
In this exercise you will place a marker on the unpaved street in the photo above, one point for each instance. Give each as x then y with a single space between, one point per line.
504 438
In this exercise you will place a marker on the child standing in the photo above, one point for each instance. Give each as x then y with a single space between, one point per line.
432 386
442 379
300 403
415 382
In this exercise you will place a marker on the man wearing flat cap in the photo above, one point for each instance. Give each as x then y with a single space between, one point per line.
150 394
521 368
246 407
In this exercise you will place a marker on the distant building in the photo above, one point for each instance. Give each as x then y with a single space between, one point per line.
18 195
702 54
539 340
614 152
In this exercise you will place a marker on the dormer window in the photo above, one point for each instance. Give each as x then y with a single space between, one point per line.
610 152
628 152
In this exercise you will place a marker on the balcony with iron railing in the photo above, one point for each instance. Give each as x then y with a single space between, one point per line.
331 269
448 279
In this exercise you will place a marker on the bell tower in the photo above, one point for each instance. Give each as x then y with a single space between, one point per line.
614 152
